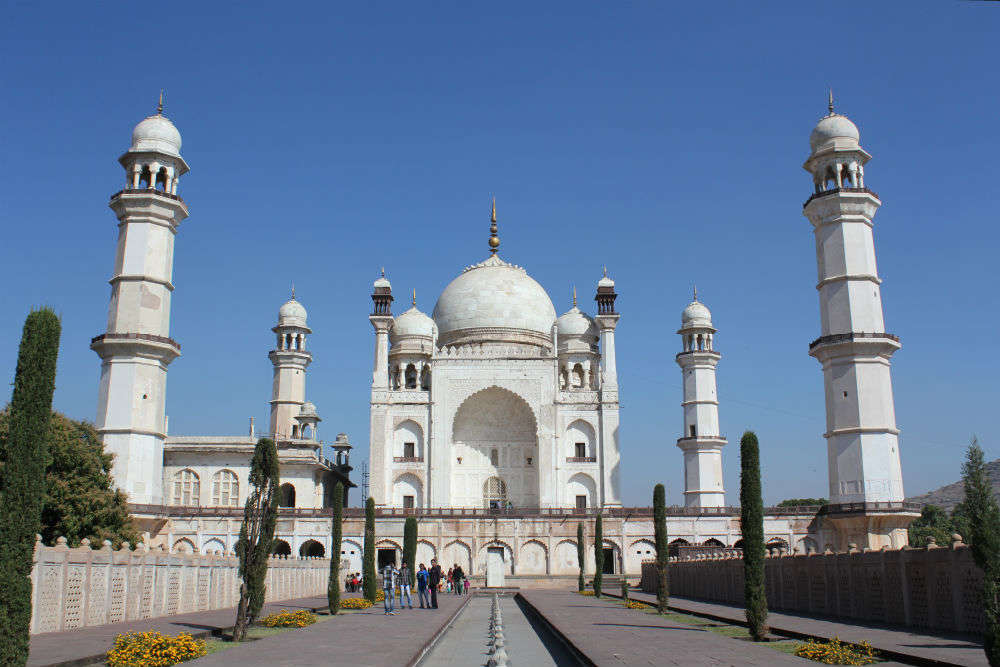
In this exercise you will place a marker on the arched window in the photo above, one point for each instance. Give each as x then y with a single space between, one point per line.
187 488
312 549
494 493
225 489
145 178
286 497
425 378
281 548
161 179
494 457
411 377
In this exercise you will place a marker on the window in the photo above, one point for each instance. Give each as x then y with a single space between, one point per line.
581 450
494 457
409 450
694 431
408 502
495 493
225 489
581 502
187 488
286 495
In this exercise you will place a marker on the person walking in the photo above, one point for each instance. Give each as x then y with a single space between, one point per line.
465 582
434 579
422 593
456 576
389 574
404 585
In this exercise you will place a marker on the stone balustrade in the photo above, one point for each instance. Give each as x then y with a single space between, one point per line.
936 588
80 587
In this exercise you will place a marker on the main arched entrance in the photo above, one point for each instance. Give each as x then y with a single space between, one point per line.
495 445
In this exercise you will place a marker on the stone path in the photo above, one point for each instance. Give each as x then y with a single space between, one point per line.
362 639
909 645
85 645
613 635
465 642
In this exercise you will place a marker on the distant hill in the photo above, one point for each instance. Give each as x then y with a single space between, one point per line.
951 495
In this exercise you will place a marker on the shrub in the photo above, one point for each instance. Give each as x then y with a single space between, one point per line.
355 603
752 527
368 577
662 548
336 535
290 619
834 652
153 649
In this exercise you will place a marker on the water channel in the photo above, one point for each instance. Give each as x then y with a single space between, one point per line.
527 641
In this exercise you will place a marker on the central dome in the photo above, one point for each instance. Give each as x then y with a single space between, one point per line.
494 301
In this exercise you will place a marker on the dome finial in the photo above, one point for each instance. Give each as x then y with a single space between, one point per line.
414 297
695 292
494 239
293 291
574 296
383 272
159 105
830 104
605 269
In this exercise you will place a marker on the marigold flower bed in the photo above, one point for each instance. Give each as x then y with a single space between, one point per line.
355 603
154 649
834 652
289 619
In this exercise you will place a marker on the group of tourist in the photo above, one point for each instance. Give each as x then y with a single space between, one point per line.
430 582
352 582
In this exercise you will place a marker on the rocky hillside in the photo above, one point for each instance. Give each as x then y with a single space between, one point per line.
951 495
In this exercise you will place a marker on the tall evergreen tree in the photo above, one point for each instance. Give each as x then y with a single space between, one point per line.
80 499
260 515
662 548
368 583
336 537
598 555
580 551
410 547
752 527
983 514
22 484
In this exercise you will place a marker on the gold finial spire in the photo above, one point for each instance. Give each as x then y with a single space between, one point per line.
830 104
293 291
494 239
383 272
605 269
414 297
695 292
574 296
159 105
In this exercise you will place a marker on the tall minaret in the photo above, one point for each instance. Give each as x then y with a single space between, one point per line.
290 360
136 348
854 348
607 320
701 443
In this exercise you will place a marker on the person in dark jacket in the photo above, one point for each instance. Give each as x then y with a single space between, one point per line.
457 575
434 579
422 587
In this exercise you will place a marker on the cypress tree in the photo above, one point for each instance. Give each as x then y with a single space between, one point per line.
752 527
25 455
368 583
336 537
598 556
984 521
580 554
260 515
662 548
410 547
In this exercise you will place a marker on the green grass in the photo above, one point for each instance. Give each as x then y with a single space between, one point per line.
216 644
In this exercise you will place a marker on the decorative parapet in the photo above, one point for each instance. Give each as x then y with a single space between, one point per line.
936 588
81 587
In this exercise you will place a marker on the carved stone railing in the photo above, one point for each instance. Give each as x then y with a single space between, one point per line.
847 337
146 191
581 459
407 459
80 587
833 191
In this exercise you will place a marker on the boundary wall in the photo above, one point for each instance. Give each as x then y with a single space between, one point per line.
80 587
935 588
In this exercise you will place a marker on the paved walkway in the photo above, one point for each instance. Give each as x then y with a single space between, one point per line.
362 639
613 635
911 646
85 645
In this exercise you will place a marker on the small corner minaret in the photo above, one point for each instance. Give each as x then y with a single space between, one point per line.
290 360
136 348
701 442
607 319
381 319
854 347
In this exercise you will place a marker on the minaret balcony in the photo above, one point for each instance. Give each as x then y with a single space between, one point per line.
146 191
834 191
862 342
110 344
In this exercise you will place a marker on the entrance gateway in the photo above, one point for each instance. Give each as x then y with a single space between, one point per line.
494 567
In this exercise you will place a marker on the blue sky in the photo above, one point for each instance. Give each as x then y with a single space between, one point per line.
662 140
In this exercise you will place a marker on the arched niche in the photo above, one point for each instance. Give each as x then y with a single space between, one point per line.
407 491
581 486
312 549
408 440
580 433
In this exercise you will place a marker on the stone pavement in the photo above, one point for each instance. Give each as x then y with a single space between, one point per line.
901 643
361 639
613 635
86 645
